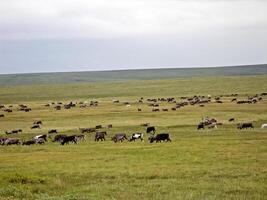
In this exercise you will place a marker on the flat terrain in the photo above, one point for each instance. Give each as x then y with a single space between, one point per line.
126 75
223 163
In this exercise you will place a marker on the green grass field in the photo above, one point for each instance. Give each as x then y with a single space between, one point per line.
223 163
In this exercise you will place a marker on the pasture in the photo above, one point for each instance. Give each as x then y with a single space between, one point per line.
223 163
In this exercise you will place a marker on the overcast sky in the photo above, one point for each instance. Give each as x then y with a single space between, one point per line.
75 35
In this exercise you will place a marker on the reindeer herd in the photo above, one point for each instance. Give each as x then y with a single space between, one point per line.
154 103
99 136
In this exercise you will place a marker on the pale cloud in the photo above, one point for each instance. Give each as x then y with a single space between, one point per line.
71 35
38 19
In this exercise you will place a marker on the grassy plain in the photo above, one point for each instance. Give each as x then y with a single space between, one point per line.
126 75
209 164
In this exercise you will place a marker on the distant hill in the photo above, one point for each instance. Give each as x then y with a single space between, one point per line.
124 75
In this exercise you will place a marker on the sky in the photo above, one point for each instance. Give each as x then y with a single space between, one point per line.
89 35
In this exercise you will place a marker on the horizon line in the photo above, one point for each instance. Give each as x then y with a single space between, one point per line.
134 69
